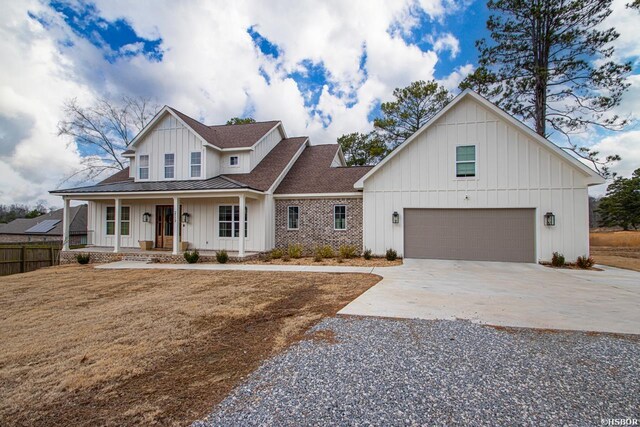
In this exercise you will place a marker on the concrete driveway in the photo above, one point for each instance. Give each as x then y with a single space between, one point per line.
506 294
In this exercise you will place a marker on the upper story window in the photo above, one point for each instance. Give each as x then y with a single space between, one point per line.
340 217
233 161
293 217
466 160
143 166
196 164
169 166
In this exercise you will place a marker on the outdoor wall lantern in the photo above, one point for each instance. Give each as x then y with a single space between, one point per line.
185 217
549 219
395 217
146 217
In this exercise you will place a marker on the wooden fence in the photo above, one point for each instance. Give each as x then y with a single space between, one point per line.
23 258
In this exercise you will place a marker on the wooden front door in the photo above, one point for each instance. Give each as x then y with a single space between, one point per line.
164 227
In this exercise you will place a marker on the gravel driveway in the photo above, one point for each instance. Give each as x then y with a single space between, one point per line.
373 371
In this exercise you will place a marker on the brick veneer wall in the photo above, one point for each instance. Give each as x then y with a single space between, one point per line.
315 226
69 257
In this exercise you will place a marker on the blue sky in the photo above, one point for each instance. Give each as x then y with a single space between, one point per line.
322 68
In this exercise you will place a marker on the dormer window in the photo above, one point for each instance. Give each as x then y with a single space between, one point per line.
143 167
233 161
169 165
196 164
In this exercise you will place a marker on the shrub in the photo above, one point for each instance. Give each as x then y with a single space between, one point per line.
557 260
286 258
222 256
585 262
325 251
265 257
295 251
83 258
340 259
276 253
348 251
192 256
392 255
317 258
367 254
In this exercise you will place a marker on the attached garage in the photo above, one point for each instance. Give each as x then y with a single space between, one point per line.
470 234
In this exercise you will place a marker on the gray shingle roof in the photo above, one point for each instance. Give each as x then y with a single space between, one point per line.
229 136
312 173
78 215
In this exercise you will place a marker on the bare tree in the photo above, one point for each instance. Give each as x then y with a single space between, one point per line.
103 130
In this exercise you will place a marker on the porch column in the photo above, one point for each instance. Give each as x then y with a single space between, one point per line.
241 237
116 236
176 225
65 223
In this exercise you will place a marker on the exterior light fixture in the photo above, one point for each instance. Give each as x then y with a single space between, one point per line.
146 217
549 219
186 217
395 217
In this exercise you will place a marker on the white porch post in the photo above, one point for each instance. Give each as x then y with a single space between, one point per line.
241 237
118 213
65 223
176 225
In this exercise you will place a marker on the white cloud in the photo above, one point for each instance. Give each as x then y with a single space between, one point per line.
627 145
210 69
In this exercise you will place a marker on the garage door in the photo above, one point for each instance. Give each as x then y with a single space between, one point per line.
470 234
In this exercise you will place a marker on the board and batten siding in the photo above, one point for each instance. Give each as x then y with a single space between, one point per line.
170 136
201 232
264 147
512 171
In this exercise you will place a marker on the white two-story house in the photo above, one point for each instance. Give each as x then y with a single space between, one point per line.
473 183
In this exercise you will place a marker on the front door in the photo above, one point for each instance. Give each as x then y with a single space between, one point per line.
164 227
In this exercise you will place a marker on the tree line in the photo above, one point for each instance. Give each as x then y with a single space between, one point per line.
10 212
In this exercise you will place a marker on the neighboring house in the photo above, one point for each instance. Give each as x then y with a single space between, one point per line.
473 183
47 228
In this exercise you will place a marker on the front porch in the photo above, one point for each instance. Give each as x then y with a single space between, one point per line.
163 226
104 254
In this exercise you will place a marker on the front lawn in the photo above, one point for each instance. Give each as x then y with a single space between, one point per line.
82 346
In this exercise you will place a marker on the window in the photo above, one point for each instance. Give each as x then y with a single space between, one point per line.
143 167
466 160
124 220
340 217
196 164
293 217
229 221
233 161
169 166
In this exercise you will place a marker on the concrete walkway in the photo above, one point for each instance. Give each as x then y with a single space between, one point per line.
124 265
506 294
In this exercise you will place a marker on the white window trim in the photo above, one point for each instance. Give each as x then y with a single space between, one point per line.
237 165
148 167
289 222
475 162
191 164
164 170
121 221
233 222
345 218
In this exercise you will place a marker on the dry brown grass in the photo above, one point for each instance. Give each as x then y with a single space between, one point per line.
616 248
618 239
92 347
